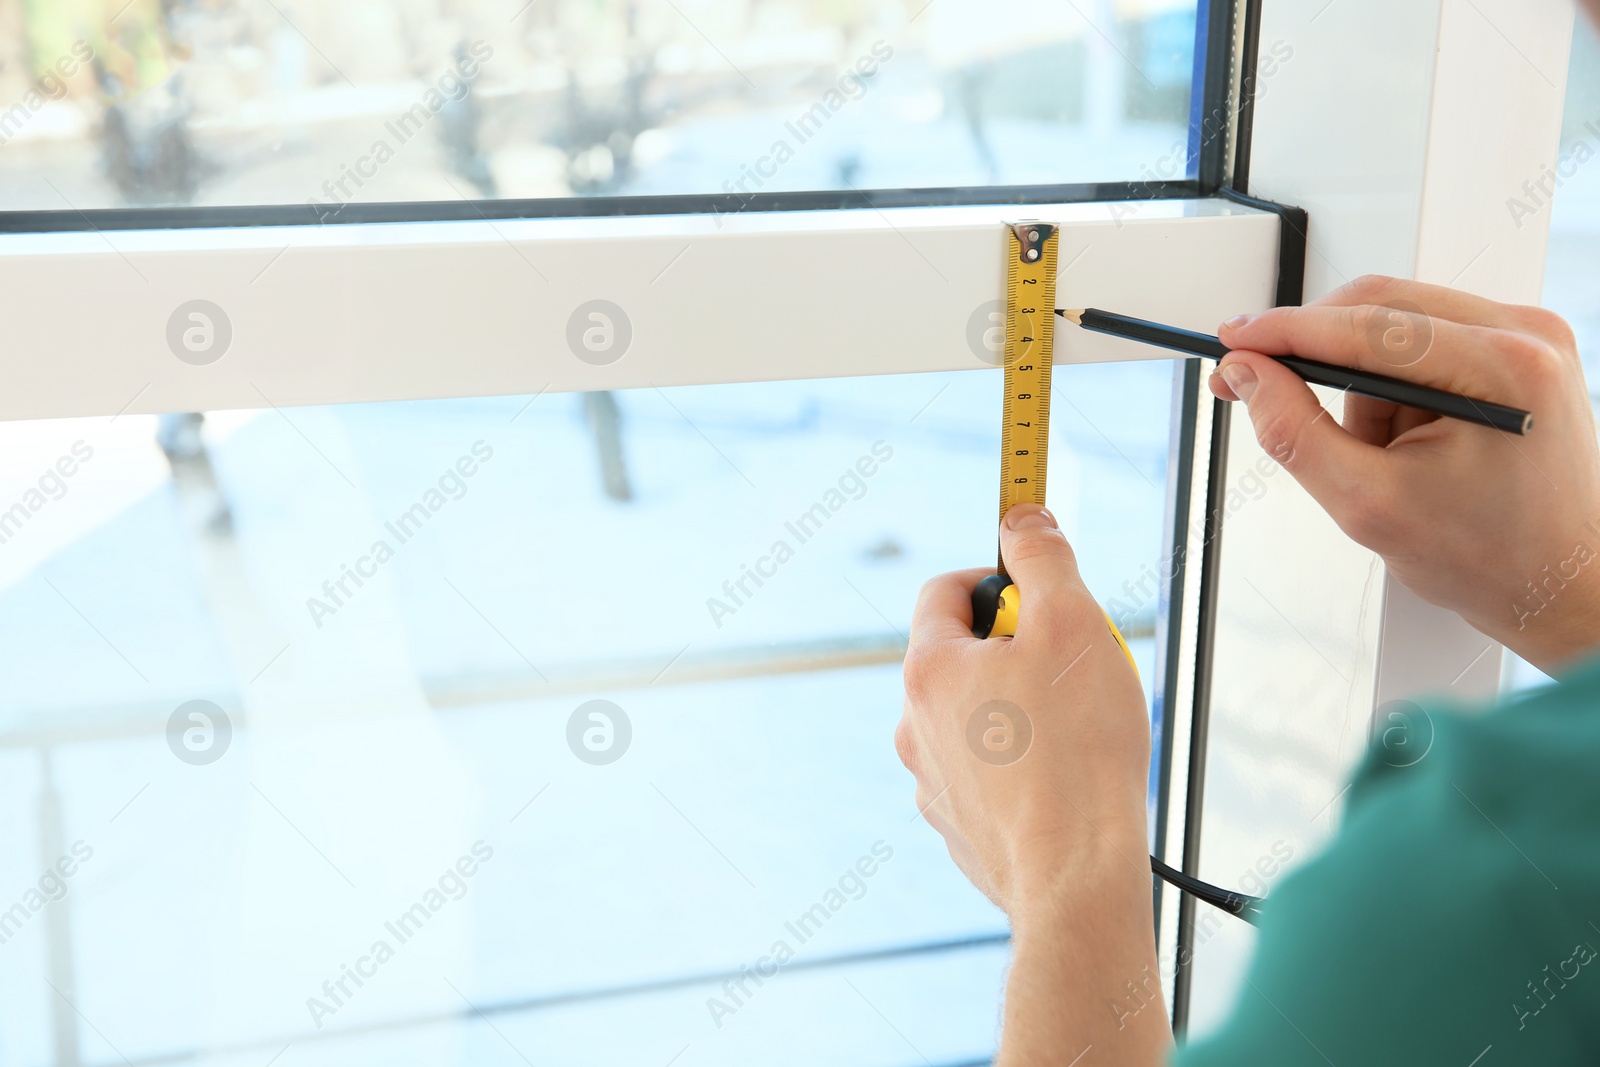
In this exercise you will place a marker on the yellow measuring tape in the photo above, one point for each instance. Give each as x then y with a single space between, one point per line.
1032 251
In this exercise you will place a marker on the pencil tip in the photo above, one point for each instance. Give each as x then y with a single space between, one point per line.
1072 315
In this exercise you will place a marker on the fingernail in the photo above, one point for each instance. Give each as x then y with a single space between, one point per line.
1023 516
1237 321
1241 379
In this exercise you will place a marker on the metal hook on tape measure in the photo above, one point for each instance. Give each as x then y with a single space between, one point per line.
1031 237
996 603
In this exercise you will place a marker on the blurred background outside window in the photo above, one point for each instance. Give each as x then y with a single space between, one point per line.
289 101
283 686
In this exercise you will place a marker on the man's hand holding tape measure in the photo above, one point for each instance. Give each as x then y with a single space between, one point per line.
1001 700
1032 752
1032 759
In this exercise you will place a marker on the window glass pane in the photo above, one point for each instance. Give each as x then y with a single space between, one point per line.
110 103
299 746
1572 269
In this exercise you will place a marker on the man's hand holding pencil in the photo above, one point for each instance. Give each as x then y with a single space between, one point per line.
1503 530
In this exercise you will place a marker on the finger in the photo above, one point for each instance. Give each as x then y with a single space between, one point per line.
1045 570
1337 469
1378 422
1220 387
1436 300
944 607
1369 421
1441 302
1438 352
1407 419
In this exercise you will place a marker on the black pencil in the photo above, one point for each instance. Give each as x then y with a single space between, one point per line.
1366 383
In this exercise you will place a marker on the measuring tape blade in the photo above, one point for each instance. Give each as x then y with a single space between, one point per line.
1031 257
1031 254
1029 355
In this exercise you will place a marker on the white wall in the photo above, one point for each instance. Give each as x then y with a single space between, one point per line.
1402 128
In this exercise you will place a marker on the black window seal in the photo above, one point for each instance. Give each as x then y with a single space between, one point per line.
719 204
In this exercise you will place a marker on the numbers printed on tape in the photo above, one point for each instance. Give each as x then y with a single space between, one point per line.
1030 329
1032 250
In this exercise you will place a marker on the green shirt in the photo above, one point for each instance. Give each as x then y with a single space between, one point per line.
1455 917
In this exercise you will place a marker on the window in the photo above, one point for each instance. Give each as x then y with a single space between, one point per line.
268 102
503 665
366 692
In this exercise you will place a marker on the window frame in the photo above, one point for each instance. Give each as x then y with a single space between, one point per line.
937 250
500 298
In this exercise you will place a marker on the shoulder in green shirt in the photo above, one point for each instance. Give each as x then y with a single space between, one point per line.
1455 917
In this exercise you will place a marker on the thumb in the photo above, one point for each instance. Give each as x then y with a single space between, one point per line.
1042 565
1338 470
